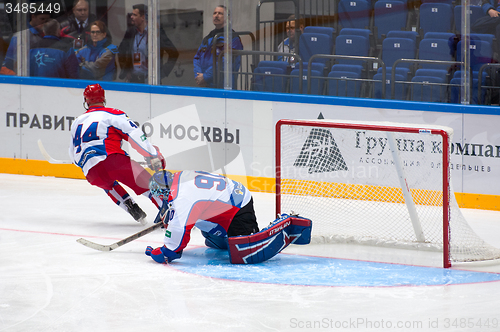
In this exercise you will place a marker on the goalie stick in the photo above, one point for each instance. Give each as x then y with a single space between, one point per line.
157 224
102 247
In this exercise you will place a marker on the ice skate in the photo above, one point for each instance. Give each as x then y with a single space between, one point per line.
136 212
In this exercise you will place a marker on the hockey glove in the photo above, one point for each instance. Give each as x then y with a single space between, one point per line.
162 254
156 163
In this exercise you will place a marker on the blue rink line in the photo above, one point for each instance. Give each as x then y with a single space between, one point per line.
320 271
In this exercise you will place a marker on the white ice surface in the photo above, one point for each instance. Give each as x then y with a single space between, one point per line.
49 282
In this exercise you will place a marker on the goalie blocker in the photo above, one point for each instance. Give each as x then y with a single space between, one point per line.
270 241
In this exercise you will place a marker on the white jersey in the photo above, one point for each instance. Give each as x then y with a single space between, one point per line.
99 132
205 200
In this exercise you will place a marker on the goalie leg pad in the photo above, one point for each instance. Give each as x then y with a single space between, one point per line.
214 241
301 228
269 241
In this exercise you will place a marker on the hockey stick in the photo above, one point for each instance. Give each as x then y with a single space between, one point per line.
158 223
48 157
120 243
57 161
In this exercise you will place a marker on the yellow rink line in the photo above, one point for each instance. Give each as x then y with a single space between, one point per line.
254 183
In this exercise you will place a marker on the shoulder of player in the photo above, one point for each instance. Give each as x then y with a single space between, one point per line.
115 111
174 187
187 176
108 110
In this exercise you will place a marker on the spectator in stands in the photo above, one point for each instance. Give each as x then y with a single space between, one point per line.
490 23
97 58
52 57
5 34
3 49
203 60
133 50
288 45
76 27
35 26
490 7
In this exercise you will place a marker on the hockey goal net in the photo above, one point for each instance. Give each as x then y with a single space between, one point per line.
374 183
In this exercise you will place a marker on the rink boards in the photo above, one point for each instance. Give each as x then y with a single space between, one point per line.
231 132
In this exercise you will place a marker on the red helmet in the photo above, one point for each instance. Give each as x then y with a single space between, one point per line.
94 94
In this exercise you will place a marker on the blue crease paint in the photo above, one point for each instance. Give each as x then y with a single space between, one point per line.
323 271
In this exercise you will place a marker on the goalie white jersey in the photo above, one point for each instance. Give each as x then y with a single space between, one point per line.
99 132
205 200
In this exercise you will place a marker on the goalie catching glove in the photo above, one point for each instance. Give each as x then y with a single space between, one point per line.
156 163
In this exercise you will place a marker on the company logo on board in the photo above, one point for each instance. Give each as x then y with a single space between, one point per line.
320 153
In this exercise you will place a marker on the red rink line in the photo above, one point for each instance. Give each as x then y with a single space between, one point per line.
72 235
39 232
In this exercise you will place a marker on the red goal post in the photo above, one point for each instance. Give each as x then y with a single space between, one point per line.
375 183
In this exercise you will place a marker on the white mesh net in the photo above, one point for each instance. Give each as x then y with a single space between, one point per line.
351 184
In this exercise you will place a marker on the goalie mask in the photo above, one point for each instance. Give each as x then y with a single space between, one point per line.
160 183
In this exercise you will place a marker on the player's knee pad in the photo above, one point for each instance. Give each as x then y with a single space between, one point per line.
214 241
269 241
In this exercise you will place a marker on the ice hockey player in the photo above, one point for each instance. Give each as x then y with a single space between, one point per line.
223 210
96 148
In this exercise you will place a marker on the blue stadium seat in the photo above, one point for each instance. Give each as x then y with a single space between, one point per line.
318 66
436 17
389 15
314 43
428 93
455 91
435 49
490 39
481 52
400 89
402 71
270 76
439 35
458 74
270 79
449 2
343 88
353 46
337 87
440 73
276 64
413 35
475 12
397 48
357 69
360 32
324 30
316 83
354 13
355 32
